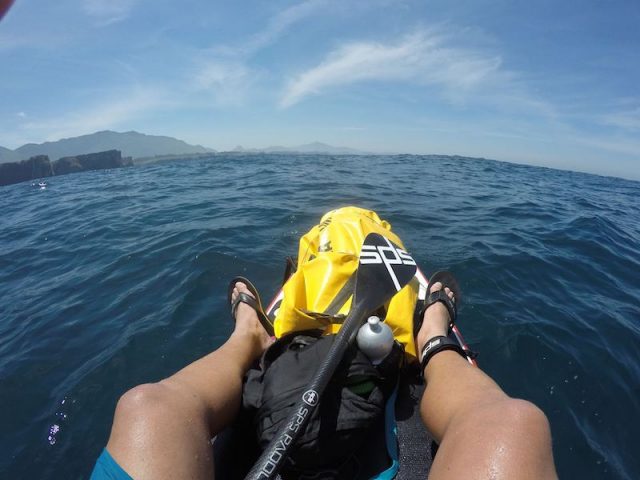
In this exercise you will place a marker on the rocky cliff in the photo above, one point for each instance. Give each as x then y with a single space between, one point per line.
36 167
91 161
40 166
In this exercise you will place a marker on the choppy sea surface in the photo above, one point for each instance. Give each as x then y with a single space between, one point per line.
113 278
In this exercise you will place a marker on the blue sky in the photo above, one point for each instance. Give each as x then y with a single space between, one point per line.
542 82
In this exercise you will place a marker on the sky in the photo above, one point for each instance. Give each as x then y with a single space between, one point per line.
548 83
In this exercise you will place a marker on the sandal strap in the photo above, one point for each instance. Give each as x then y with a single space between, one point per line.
438 344
441 296
244 298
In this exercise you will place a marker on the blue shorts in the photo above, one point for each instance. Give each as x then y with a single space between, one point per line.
108 469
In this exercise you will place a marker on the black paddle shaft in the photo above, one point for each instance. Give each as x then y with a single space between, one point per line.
383 270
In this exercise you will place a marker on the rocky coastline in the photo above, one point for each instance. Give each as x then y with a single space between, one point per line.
40 166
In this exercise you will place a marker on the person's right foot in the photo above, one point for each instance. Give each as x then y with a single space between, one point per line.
247 322
436 319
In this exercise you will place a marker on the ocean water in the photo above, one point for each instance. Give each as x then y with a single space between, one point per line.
113 278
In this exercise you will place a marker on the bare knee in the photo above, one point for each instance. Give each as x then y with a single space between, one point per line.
153 403
507 438
158 404
150 420
135 407
138 418
520 430
142 400
523 416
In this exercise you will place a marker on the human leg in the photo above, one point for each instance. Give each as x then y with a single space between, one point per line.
163 430
482 432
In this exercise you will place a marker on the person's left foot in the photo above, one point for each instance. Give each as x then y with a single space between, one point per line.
247 322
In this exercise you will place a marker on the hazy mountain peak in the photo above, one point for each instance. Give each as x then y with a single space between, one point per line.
131 144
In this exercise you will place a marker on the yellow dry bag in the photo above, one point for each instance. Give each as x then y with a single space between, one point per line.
318 294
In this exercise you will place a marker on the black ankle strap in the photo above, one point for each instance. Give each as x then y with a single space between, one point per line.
438 344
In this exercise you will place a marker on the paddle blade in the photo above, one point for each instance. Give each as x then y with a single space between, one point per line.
383 270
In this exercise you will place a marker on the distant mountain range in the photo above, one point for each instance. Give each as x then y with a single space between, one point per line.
131 144
315 147
139 145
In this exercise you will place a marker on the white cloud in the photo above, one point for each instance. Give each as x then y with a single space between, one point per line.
107 12
224 70
227 81
628 120
279 23
423 58
120 109
21 115
276 26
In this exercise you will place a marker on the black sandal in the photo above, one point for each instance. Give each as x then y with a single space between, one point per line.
439 343
448 280
254 302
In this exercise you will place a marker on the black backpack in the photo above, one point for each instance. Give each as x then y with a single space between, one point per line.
351 407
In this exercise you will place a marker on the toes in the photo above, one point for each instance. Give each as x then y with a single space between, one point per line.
450 294
438 286
241 287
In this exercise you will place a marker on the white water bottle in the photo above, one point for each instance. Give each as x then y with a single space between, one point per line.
375 340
